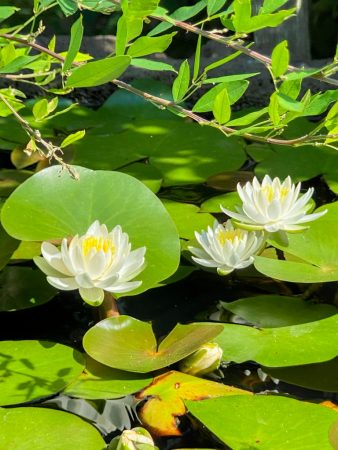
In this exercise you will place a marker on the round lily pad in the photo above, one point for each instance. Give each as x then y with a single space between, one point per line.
266 422
30 370
128 344
43 428
66 207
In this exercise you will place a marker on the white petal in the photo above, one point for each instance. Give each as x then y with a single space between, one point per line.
64 284
94 229
205 262
46 268
93 296
96 264
83 280
311 217
124 287
54 258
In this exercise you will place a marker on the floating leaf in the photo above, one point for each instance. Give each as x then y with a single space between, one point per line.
102 382
281 347
32 370
168 393
128 344
317 249
23 287
43 428
272 311
228 201
146 173
320 376
49 214
266 422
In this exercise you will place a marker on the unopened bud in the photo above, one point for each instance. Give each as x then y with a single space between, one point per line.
203 361
135 439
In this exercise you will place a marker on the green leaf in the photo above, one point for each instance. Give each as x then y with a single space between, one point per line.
101 382
151 65
72 138
235 91
68 7
139 8
197 59
300 74
229 78
320 376
128 344
184 13
42 428
149 175
273 311
181 83
222 61
290 88
280 347
188 218
121 36
19 63
146 45
289 104
213 204
221 107
280 59
247 119
214 6
316 248
320 102
7 246
252 422
49 214
98 72
7 11
76 34
270 6
40 109
23 287
31 370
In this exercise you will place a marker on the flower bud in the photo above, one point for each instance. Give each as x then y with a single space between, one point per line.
203 361
135 439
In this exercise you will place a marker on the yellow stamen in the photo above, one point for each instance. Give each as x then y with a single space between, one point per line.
98 244
228 235
270 192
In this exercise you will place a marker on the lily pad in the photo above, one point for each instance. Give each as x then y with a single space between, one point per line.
30 370
320 376
66 207
272 311
23 287
168 392
102 382
317 247
266 422
128 344
146 173
43 428
213 204
188 218
280 347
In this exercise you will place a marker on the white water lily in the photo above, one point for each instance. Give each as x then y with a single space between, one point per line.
96 262
227 248
273 205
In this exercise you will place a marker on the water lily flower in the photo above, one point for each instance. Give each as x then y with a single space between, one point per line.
273 206
227 248
96 262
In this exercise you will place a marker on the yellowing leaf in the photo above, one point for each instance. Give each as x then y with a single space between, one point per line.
168 392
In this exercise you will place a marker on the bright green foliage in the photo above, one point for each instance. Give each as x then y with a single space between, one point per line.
31 370
128 344
266 422
42 428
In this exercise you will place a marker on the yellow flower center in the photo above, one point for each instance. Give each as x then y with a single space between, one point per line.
270 192
228 235
97 243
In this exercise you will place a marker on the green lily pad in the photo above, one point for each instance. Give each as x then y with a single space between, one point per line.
317 247
128 344
43 428
228 201
27 250
7 247
308 161
146 173
23 287
188 218
272 311
320 376
280 347
66 207
266 422
10 179
102 382
30 370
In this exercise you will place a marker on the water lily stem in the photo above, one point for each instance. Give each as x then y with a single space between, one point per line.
109 307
